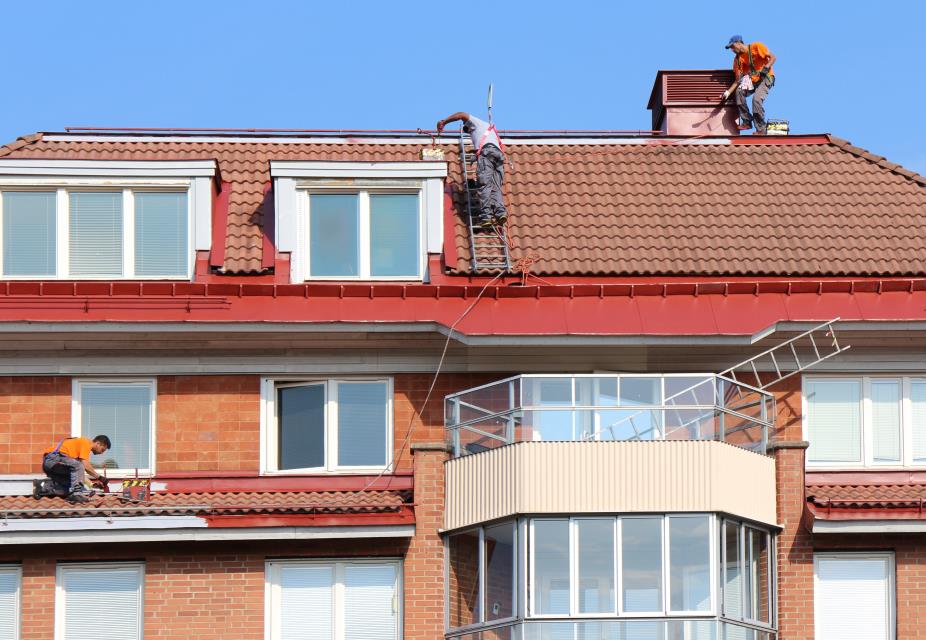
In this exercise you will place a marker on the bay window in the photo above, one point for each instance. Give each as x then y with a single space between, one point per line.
865 421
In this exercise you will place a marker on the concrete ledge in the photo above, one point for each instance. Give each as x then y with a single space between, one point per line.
776 445
431 446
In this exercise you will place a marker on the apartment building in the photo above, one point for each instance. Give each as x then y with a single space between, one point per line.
351 433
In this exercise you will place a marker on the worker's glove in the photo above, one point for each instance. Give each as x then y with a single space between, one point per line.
725 96
99 483
440 126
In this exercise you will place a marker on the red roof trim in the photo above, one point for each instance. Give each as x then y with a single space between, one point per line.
782 140
219 224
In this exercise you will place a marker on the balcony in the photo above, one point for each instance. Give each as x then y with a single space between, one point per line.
608 444
531 408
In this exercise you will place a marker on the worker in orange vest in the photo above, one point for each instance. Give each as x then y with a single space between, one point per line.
66 465
752 66
490 166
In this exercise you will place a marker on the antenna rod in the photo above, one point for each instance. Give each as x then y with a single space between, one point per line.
490 103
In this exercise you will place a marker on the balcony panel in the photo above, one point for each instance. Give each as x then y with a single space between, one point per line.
609 477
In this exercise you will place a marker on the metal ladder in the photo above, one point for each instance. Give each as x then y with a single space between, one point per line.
783 361
489 246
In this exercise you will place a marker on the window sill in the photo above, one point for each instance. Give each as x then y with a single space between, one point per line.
323 472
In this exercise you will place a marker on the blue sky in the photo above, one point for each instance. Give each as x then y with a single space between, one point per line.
850 68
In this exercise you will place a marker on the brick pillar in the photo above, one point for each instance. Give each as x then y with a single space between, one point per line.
795 546
424 562
37 600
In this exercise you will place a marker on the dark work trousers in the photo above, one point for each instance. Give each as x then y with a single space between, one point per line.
66 473
490 171
759 94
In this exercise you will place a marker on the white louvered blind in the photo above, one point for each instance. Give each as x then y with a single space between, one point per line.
362 423
102 603
9 603
852 597
370 602
306 607
122 412
834 420
29 233
918 419
95 234
161 234
885 420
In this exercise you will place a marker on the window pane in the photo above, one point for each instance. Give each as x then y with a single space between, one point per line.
636 391
301 426
334 240
370 602
362 423
689 563
551 567
918 411
499 571
122 412
757 578
641 560
95 234
29 234
885 420
852 598
549 392
161 226
733 576
394 235
834 420
596 566
306 606
86 590
9 603
463 549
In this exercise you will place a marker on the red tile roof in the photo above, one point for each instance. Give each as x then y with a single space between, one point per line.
209 504
741 206
865 501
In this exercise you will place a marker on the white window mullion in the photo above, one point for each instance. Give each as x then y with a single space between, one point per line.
481 575
331 425
666 560
364 231
63 231
574 587
302 253
867 435
128 233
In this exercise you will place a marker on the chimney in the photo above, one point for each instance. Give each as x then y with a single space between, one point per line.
687 103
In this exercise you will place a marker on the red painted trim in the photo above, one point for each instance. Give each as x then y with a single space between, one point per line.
268 227
219 224
782 140
450 227
404 517
208 482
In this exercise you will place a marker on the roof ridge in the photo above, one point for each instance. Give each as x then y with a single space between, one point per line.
19 143
875 159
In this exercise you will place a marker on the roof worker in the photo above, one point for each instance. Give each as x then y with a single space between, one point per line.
490 166
754 76
66 465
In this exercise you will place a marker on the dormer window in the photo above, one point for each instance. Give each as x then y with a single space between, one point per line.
103 220
359 221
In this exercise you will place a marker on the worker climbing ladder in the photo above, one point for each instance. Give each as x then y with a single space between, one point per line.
489 245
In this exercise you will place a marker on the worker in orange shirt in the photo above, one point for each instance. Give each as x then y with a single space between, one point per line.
66 465
752 66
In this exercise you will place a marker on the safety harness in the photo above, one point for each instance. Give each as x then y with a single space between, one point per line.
763 73
482 142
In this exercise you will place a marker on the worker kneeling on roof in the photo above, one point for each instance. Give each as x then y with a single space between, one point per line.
65 466
490 166
754 76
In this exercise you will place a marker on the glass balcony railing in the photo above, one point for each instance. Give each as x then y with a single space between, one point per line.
678 629
591 407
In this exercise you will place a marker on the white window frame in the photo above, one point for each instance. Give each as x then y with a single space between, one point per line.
861 555
17 570
743 551
60 594
77 385
294 181
272 590
665 613
269 436
866 446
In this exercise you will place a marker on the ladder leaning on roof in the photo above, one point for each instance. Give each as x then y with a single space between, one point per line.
489 245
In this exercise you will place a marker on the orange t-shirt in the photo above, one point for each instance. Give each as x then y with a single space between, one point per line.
74 447
760 59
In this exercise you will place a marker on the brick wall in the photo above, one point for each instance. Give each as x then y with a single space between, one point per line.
35 412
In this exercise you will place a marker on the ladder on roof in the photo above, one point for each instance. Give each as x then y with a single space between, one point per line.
489 245
792 356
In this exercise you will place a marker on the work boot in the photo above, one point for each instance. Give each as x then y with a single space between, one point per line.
38 489
79 496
